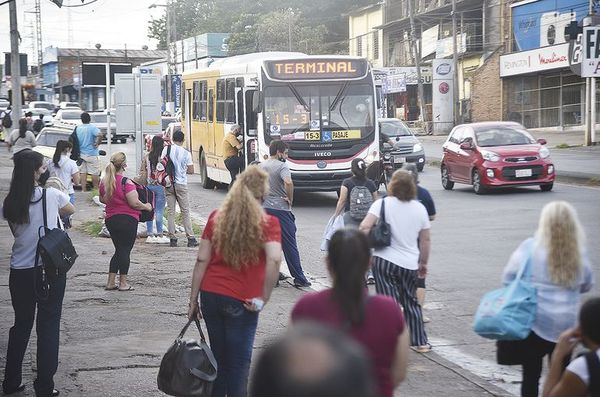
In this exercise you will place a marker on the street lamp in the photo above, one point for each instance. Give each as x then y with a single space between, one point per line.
169 62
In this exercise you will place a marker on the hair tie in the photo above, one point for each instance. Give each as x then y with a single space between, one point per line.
361 165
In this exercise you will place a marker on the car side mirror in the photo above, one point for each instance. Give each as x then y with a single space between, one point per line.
541 141
466 146
102 152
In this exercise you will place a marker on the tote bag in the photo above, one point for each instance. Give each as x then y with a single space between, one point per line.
508 313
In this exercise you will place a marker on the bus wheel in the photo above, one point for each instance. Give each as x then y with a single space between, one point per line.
207 183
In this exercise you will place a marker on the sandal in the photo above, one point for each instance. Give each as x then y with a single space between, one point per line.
128 288
114 287
422 349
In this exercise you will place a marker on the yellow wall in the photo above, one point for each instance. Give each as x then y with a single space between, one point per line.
363 24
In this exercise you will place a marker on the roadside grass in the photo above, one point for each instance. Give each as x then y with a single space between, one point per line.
565 146
93 193
594 181
179 221
434 163
92 228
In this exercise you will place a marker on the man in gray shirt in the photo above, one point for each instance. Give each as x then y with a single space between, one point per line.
279 203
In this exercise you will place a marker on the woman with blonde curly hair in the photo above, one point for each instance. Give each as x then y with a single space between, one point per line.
560 271
123 208
236 269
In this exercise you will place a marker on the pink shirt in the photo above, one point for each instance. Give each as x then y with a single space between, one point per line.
118 202
378 334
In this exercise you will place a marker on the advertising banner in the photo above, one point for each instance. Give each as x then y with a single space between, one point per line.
542 23
443 95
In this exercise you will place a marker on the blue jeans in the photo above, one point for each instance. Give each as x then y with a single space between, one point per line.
159 209
231 330
287 220
72 198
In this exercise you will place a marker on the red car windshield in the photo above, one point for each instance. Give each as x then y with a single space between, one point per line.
502 136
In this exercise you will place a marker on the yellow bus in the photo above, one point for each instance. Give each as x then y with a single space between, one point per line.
323 107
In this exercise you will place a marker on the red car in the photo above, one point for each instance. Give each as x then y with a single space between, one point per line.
495 154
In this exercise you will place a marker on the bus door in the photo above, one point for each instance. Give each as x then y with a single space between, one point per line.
240 119
188 105
250 124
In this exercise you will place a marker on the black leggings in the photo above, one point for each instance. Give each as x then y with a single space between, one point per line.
537 349
123 232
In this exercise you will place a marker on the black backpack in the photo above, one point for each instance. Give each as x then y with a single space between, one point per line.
361 199
7 120
145 195
76 151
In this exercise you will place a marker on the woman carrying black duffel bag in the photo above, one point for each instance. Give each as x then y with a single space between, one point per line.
23 210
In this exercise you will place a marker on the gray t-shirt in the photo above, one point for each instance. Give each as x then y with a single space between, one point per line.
19 143
276 199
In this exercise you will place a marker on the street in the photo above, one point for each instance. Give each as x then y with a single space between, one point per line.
472 239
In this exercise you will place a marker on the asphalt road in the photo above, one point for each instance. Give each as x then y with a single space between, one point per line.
472 239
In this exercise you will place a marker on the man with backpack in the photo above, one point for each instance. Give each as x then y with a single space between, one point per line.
38 124
6 123
178 163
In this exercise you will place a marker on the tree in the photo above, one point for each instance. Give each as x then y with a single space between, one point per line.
317 26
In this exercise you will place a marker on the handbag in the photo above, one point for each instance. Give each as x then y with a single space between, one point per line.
508 313
145 195
54 246
189 367
380 235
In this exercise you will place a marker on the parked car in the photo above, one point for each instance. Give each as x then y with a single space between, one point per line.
41 104
4 104
99 120
48 119
495 154
407 147
66 105
47 139
68 118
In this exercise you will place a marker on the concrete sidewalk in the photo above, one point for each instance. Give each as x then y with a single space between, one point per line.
112 342
573 161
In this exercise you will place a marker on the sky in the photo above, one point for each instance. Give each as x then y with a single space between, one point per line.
112 23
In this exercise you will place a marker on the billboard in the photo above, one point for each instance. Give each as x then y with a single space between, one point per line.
94 74
542 23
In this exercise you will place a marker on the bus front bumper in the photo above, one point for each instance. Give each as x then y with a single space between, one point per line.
319 181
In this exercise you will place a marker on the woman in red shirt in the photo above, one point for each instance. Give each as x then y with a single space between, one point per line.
123 208
236 269
376 322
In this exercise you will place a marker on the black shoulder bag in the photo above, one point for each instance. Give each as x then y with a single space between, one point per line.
145 196
189 367
54 246
593 365
380 235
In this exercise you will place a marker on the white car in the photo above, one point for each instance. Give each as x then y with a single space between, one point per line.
41 104
68 118
48 119
68 105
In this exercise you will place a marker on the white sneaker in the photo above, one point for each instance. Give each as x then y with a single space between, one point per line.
151 240
162 240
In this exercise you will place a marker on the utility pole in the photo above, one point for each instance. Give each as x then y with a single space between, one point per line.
455 95
416 54
15 64
38 37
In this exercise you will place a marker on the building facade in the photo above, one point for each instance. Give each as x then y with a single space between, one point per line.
365 38
540 90
63 72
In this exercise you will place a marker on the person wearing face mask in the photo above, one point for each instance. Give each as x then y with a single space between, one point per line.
22 208
278 202
123 208
233 152
65 169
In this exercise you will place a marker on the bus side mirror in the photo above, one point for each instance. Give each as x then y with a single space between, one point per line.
257 102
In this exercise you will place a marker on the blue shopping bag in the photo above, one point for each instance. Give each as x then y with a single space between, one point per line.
508 313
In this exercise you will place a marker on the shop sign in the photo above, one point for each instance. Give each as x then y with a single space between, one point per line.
443 95
590 64
547 58
410 74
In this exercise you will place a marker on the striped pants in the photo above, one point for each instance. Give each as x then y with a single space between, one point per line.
401 284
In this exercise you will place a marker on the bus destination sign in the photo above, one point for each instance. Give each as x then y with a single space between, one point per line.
311 69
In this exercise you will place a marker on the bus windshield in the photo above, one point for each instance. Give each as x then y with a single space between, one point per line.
326 112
